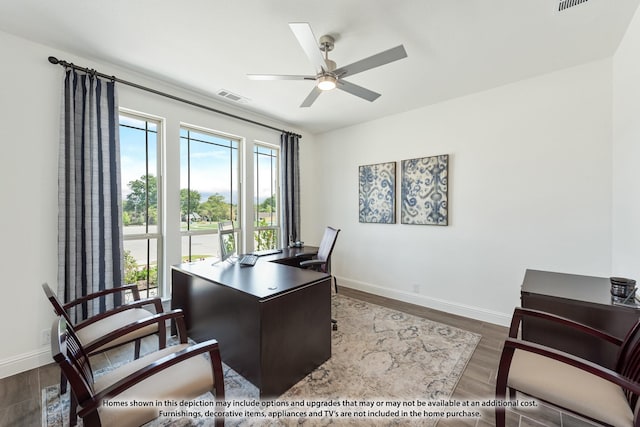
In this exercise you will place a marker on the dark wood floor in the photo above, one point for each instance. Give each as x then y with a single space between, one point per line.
20 394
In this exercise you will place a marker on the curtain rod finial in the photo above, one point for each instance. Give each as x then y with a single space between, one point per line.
54 60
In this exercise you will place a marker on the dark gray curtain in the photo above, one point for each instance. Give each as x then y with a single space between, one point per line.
290 186
90 250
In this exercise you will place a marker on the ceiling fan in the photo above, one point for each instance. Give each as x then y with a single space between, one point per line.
327 76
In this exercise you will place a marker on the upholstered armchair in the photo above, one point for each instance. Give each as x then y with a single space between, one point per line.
607 396
96 332
177 372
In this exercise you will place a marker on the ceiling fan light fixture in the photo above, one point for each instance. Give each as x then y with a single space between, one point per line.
327 82
327 74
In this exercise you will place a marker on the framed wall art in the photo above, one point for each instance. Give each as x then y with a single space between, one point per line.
377 195
424 192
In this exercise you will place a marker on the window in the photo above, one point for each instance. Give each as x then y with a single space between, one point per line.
266 203
209 190
140 160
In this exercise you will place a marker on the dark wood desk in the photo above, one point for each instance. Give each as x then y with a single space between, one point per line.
273 321
585 299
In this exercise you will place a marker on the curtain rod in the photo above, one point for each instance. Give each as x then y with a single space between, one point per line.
56 61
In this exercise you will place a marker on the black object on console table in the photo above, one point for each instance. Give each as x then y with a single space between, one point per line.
585 299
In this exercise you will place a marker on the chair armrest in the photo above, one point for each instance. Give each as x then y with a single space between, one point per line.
160 319
511 344
519 313
156 301
104 292
312 262
306 254
158 366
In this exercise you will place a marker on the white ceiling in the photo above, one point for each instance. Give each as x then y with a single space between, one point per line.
454 47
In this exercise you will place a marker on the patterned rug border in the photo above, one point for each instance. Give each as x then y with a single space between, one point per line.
390 327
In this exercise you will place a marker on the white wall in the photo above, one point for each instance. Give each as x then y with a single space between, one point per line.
626 154
30 91
529 187
29 112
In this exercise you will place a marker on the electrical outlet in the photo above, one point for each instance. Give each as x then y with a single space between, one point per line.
45 337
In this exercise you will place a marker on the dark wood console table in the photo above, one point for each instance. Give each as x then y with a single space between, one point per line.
585 299
273 321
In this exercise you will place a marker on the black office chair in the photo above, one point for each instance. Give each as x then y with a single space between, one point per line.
227 240
321 260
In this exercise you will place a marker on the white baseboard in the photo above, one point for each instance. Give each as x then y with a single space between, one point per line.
477 313
24 362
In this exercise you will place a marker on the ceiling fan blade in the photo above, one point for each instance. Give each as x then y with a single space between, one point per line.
278 77
309 43
310 99
376 60
356 90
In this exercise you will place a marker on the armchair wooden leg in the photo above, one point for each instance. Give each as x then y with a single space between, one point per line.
73 406
218 382
162 336
63 383
136 349
92 419
501 385
500 417
500 410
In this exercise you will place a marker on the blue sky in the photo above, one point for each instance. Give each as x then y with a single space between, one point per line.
211 169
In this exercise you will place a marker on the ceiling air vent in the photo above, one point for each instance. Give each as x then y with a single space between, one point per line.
566 4
232 96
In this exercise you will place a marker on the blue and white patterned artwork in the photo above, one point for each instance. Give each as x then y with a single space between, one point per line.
377 197
424 191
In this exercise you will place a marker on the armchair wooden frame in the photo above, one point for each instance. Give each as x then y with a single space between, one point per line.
106 340
73 360
626 374
91 347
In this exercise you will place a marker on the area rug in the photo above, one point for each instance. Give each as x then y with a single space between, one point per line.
385 367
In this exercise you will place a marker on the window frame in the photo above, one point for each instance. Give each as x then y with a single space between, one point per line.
240 194
158 235
278 158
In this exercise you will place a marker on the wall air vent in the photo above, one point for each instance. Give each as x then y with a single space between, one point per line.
232 96
566 4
